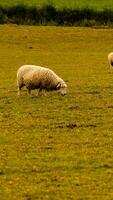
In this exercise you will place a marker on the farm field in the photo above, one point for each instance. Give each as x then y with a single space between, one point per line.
93 4
57 147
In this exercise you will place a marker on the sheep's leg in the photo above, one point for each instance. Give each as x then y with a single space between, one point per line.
18 92
19 89
45 93
39 91
29 91
19 86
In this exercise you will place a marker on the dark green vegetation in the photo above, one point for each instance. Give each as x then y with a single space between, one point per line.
57 147
50 15
59 4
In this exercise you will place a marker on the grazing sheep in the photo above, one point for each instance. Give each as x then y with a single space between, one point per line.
110 59
36 77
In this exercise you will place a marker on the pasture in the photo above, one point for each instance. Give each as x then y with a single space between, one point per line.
59 4
57 147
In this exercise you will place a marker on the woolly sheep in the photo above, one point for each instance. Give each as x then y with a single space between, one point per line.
110 59
36 77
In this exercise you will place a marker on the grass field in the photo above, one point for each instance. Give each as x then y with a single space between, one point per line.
57 147
95 4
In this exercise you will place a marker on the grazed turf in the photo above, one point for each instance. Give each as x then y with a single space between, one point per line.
57 147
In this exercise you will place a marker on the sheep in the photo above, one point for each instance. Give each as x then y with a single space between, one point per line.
37 77
110 59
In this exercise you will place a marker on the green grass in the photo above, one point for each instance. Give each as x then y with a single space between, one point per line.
44 13
95 4
57 147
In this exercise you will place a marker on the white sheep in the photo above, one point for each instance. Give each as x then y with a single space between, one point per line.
110 59
36 77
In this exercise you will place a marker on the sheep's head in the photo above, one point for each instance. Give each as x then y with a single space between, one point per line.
62 87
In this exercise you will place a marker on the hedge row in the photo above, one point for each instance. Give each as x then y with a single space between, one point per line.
49 15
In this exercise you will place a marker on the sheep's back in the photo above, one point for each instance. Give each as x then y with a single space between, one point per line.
24 69
44 78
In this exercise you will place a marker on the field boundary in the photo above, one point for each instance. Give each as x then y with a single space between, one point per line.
49 15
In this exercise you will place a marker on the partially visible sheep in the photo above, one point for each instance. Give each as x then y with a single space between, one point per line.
110 59
36 77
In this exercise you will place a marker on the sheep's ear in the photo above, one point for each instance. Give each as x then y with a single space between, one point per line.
58 86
